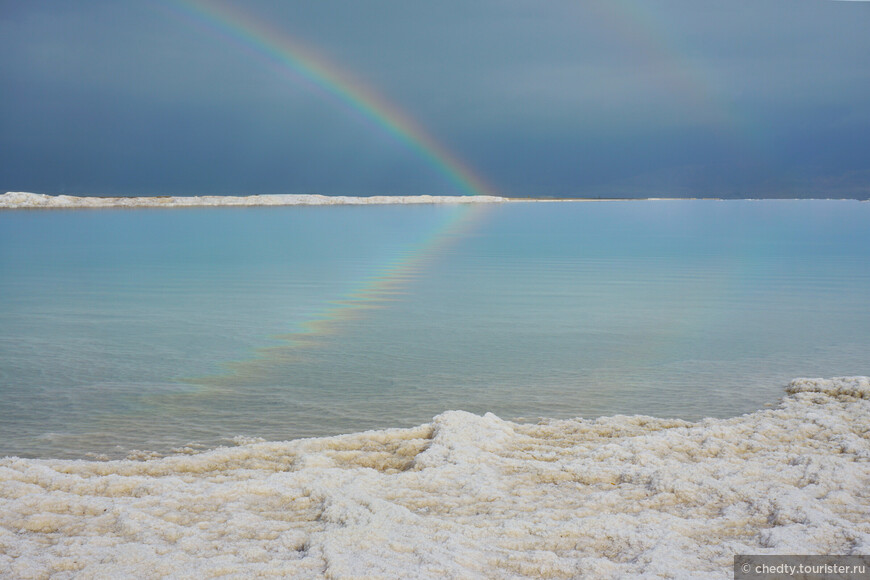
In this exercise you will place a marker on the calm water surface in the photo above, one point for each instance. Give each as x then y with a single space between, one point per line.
155 329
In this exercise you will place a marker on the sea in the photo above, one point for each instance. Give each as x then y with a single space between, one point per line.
507 389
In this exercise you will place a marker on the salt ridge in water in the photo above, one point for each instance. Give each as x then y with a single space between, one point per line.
464 496
23 200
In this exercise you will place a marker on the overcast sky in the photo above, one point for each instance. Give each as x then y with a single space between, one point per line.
749 98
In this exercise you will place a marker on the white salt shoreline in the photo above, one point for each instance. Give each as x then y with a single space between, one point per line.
23 200
464 496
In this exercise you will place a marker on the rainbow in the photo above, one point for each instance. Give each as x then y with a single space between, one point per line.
290 57
367 294
277 49
634 24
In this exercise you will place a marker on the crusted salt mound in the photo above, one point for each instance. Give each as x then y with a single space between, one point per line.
858 387
38 200
465 497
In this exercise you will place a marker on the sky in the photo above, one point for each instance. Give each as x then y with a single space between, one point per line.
521 98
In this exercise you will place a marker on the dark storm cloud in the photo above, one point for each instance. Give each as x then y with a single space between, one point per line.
609 97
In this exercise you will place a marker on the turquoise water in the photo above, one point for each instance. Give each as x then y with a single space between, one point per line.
156 329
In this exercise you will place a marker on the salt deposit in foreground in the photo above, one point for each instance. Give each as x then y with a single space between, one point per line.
464 496
12 200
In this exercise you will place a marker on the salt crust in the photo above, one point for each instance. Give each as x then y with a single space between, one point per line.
12 200
463 497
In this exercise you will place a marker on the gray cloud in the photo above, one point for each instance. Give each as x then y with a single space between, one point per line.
601 97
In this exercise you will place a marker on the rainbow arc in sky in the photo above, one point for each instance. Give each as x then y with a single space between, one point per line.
276 48
671 66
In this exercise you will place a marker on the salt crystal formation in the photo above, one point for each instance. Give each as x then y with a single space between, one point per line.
465 497
22 200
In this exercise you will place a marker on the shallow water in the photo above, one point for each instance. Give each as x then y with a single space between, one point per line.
153 329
